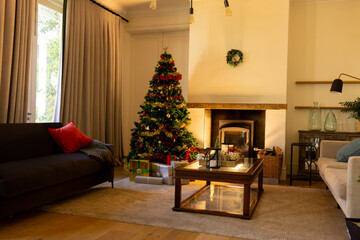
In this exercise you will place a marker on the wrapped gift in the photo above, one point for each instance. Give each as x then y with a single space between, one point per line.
160 170
149 180
139 168
169 180
166 172
170 158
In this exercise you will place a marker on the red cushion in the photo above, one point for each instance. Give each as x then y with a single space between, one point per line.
69 137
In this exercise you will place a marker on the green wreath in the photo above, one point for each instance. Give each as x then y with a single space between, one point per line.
234 57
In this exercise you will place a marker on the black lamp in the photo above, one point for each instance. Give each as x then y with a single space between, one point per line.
337 84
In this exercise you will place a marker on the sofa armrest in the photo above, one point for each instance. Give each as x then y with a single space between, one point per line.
353 188
329 148
110 147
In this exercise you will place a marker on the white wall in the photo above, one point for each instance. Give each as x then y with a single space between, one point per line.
323 42
260 30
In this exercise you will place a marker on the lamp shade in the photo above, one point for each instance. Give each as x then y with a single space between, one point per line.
337 86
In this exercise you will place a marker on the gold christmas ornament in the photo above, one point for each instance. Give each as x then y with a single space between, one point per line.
168 115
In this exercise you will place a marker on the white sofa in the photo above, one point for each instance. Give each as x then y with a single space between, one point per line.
340 177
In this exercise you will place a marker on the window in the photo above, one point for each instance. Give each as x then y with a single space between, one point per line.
48 35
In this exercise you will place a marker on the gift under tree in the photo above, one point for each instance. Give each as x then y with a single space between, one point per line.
164 118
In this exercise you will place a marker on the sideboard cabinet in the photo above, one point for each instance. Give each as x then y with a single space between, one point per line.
315 137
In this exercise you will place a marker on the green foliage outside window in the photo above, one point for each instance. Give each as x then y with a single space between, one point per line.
49 31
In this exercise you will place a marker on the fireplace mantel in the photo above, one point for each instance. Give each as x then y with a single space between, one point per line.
239 106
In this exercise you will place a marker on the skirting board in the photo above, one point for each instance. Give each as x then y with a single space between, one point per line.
271 180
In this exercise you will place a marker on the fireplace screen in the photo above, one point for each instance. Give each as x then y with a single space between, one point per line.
240 137
239 133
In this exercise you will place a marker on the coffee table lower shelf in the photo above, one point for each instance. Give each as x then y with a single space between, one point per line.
224 200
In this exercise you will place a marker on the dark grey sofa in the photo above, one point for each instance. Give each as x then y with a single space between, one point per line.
34 170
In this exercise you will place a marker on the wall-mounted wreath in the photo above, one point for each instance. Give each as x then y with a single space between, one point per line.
234 57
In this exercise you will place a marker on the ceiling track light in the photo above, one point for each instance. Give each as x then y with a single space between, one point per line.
153 4
191 11
227 8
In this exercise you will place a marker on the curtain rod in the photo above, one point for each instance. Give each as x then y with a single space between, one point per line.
107 9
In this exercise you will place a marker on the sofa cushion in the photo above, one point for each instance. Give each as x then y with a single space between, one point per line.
69 137
324 163
337 181
20 141
350 149
22 176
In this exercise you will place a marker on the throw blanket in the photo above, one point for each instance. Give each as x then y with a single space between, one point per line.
100 152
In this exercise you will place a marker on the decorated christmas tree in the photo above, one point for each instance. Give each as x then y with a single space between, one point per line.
164 118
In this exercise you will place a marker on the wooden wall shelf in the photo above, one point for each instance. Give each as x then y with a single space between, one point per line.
324 107
325 82
239 106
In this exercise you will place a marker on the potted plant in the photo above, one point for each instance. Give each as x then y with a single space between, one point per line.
354 109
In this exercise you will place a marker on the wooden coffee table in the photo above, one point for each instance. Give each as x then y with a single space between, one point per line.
222 199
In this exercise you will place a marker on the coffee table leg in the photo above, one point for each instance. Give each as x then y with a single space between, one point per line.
177 192
246 207
260 180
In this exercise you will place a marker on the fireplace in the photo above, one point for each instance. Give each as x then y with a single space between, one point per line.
269 121
240 133
247 127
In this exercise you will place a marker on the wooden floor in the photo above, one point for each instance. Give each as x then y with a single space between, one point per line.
36 225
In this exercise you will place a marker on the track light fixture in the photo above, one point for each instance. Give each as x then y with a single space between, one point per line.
227 8
153 4
191 11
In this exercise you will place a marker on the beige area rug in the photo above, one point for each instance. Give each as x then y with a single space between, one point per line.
282 213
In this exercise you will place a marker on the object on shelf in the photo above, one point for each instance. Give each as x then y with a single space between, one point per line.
315 118
330 124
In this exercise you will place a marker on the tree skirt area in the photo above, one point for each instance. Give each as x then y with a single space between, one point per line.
282 212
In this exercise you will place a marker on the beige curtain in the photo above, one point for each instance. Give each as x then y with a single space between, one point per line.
16 24
91 83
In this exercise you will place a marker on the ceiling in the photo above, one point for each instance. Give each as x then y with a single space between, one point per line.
126 6
132 5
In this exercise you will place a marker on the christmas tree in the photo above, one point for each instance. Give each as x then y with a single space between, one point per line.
164 118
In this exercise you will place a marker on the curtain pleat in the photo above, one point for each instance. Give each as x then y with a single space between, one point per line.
91 84
16 24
